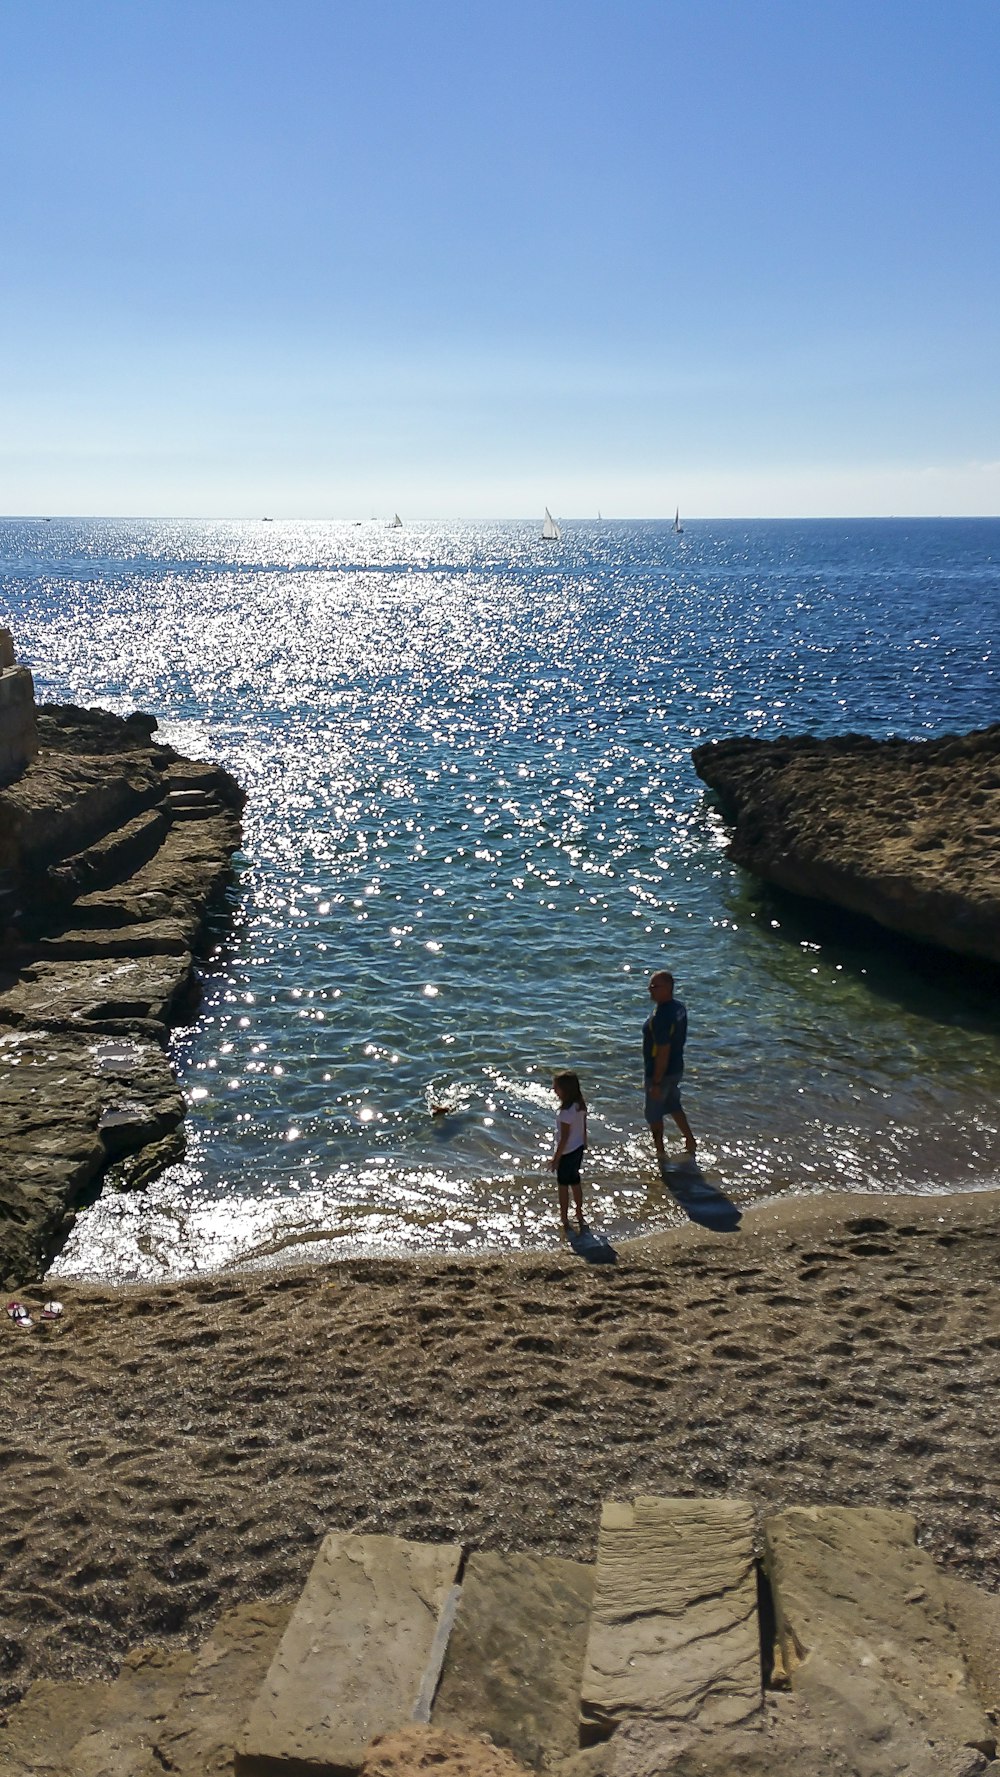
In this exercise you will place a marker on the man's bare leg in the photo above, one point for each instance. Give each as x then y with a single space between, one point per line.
685 1129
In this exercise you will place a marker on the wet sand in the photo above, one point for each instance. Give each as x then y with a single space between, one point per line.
169 1452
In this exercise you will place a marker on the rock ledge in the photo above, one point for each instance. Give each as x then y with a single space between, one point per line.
112 850
906 833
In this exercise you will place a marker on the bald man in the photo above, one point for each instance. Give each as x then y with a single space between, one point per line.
663 1038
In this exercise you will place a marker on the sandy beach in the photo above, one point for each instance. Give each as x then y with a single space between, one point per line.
170 1452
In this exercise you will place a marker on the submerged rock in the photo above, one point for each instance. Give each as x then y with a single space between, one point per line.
904 832
112 850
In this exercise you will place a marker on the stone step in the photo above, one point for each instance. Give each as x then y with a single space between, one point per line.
155 937
164 1712
109 908
865 1634
361 1656
189 866
112 858
513 1664
199 1733
9 895
189 798
674 1634
199 808
193 774
94 1730
93 990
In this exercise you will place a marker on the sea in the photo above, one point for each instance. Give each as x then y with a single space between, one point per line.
472 830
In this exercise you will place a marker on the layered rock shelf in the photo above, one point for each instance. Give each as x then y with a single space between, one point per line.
112 850
906 833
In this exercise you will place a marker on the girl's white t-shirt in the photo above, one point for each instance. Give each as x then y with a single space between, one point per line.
574 1119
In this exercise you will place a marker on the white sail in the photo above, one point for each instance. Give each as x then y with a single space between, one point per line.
550 530
397 523
678 527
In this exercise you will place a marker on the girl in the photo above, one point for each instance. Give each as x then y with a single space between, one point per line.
571 1139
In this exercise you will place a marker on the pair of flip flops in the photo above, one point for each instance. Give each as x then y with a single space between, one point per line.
21 1318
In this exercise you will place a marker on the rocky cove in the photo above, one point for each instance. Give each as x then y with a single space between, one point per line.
113 848
112 851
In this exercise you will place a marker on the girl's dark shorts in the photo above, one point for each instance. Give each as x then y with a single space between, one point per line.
568 1170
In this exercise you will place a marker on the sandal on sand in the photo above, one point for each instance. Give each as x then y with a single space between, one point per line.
19 1314
52 1311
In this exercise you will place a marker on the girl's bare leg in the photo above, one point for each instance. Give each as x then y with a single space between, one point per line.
564 1207
578 1204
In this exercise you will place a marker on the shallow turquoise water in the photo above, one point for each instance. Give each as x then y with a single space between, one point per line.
474 827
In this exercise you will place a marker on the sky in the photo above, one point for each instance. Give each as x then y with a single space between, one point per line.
459 259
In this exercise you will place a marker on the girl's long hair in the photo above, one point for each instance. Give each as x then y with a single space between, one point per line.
569 1089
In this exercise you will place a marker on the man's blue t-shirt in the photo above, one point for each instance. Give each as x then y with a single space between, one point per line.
668 1024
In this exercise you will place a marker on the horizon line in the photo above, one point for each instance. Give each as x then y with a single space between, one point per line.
531 518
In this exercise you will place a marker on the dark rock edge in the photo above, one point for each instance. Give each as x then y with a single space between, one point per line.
114 853
905 833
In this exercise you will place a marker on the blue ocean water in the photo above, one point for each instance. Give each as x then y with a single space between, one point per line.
473 828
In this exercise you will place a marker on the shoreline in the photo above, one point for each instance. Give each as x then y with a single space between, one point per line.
322 1249
176 1449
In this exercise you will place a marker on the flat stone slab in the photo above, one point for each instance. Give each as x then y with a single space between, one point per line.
361 1656
51 993
674 1633
515 1657
865 1634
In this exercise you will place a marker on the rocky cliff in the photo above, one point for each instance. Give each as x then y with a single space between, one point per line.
112 849
905 832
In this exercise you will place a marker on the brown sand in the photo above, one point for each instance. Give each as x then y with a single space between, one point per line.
169 1452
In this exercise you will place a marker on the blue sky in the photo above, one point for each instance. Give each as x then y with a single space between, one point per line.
464 260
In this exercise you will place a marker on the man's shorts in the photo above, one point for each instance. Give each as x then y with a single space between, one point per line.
665 1100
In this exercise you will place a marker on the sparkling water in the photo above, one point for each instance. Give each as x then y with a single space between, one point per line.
473 829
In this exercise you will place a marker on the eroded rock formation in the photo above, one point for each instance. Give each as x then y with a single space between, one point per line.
904 832
111 851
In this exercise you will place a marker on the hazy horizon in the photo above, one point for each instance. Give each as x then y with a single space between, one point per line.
441 520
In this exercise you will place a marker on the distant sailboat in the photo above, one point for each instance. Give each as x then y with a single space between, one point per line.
397 523
678 527
550 530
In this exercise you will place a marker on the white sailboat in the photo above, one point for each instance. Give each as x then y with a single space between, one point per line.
550 530
678 527
397 523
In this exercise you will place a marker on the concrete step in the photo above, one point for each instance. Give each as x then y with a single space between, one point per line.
865 1635
513 1664
361 1656
674 1634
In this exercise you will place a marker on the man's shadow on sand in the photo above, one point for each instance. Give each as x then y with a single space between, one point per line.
701 1201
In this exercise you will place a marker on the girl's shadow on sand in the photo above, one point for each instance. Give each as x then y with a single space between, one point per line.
701 1202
